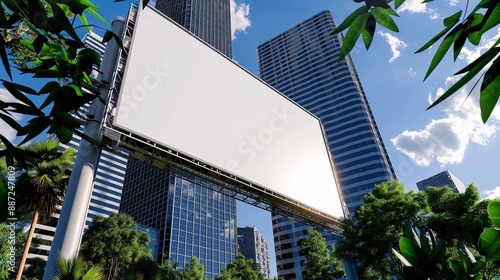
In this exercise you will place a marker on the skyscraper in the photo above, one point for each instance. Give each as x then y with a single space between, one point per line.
253 246
192 220
210 20
302 64
442 179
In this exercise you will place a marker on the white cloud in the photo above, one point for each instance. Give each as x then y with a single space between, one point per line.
452 3
395 43
239 18
5 129
416 6
445 140
492 194
412 72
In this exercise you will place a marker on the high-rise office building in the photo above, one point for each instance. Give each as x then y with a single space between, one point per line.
192 220
442 179
210 20
253 245
302 64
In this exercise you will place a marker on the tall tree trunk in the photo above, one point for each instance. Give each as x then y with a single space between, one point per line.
27 246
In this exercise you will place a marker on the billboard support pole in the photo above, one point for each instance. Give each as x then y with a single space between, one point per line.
71 221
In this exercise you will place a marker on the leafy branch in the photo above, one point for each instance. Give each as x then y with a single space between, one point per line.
457 31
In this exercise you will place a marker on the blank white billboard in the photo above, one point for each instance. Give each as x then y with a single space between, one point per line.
182 94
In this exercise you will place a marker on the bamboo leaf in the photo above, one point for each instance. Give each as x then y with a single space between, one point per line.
465 79
453 19
443 48
352 35
369 31
383 17
490 90
350 18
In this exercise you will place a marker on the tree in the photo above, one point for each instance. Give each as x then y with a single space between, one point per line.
458 29
115 243
167 271
193 271
368 239
457 217
240 269
43 185
320 264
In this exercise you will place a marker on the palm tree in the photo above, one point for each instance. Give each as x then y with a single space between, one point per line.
43 184
73 270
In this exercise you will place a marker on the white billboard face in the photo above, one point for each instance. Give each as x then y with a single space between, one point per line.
182 94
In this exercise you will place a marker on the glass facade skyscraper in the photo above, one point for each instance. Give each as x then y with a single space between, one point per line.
253 245
210 20
442 179
302 64
192 220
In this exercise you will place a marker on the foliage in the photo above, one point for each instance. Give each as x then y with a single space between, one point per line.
320 263
35 269
240 269
457 217
378 225
425 257
367 240
43 184
166 271
5 246
458 29
61 57
74 270
193 271
115 243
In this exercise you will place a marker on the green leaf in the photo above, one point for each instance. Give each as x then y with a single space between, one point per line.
443 48
459 44
352 35
383 17
75 88
489 244
84 21
473 69
409 250
457 268
434 39
95 14
494 212
475 36
490 90
453 19
42 124
64 134
14 90
108 35
350 19
492 17
369 31
476 267
38 43
398 3
10 121
66 119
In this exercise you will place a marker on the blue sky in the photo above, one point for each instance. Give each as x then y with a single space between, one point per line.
420 143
